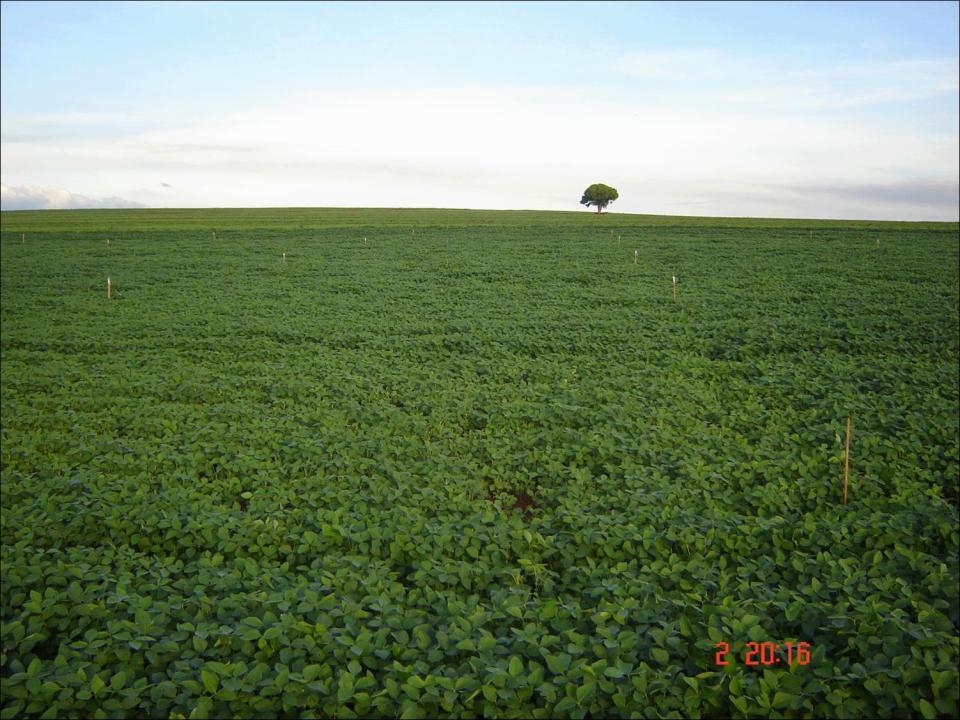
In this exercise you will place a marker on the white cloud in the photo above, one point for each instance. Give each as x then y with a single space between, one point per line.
710 76
506 147
41 198
915 200
82 118
680 64
847 87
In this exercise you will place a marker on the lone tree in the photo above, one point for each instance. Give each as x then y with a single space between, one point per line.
600 195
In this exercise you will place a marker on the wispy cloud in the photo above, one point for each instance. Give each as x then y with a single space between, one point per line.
510 146
918 194
750 81
854 86
81 118
41 128
687 64
212 149
39 198
914 199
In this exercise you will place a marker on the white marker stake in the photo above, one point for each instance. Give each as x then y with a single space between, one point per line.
109 289
364 239
636 255
108 242
23 237
674 287
284 257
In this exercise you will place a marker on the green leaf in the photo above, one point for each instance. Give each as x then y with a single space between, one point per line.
928 710
782 699
202 709
96 684
119 680
345 688
586 693
272 632
559 663
639 680
564 706
11 711
872 686
516 666
210 681
660 655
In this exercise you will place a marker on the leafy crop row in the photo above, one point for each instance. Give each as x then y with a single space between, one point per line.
478 471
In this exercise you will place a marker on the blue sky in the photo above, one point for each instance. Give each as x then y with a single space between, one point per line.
765 109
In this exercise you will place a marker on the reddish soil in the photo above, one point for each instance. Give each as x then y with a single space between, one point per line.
522 501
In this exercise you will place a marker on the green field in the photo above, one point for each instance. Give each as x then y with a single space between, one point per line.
477 463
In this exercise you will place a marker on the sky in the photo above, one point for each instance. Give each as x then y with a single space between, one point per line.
803 110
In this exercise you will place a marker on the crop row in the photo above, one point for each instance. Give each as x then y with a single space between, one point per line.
478 472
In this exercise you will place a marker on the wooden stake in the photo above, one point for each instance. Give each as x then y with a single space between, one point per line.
846 463
109 289
636 255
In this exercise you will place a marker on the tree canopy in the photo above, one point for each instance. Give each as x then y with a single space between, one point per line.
600 195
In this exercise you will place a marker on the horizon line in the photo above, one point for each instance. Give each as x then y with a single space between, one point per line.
453 209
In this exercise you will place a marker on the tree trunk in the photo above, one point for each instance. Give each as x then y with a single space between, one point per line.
599 208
